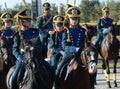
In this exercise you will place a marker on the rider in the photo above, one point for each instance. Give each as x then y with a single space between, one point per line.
44 24
56 40
73 37
102 25
66 17
25 34
6 37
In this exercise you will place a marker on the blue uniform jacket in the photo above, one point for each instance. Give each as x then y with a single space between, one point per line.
103 23
56 41
41 21
8 32
27 36
6 35
77 37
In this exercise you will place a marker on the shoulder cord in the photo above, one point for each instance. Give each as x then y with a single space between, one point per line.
44 24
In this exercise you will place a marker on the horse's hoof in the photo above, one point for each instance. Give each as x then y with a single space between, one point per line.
95 83
109 86
115 85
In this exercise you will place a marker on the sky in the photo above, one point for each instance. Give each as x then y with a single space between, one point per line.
12 3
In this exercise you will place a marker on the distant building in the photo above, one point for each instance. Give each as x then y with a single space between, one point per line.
36 8
0 8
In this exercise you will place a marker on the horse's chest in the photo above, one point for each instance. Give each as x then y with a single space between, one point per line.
32 41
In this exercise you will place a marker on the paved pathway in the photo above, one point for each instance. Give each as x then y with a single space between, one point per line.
101 80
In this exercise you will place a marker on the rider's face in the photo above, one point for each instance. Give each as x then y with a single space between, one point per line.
46 11
8 24
26 23
105 14
74 21
59 26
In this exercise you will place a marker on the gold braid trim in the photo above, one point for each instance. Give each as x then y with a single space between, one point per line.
44 24
68 34
21 38
56 35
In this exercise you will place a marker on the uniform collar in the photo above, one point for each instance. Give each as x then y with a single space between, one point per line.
74 26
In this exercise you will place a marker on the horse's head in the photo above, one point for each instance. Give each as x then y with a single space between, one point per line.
28 52
31 51
89 57
111 33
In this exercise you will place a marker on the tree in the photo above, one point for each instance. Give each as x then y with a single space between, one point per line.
85 10
94 10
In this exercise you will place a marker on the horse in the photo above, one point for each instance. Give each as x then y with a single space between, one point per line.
7 59
90 32
109 50
33 75
78 69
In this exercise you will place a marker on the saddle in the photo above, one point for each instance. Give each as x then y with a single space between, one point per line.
65 69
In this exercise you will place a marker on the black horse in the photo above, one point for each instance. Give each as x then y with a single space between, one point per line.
7 59
33 73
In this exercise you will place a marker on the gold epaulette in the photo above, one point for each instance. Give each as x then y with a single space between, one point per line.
44 24
1 29
66 28
68 34
40 17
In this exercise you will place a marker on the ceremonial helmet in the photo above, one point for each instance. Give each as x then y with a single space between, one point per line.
46 5
105 9
73 12
24 14
6 16
58 20
67 6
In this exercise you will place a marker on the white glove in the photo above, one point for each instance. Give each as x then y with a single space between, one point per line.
61 52
51 32
77 48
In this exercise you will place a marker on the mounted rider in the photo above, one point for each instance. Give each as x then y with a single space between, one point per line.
56 40
24 36
6 38
102 25
73 38
44 24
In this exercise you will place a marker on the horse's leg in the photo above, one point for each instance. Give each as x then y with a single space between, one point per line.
114 72
108 73
104 68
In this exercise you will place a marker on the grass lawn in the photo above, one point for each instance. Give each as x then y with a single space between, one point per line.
118 37
99 65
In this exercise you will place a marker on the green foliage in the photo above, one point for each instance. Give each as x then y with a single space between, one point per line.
90 10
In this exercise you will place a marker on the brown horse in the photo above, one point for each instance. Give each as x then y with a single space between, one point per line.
80 66
109 50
